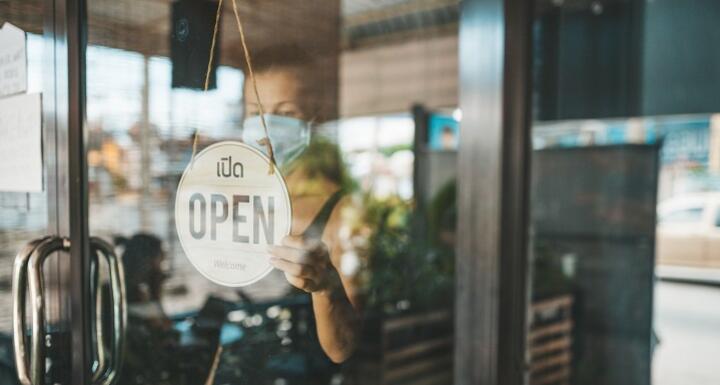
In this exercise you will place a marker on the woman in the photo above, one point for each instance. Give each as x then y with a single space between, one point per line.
292 100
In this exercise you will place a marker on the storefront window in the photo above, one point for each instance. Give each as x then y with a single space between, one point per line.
625 180
280 182
351 92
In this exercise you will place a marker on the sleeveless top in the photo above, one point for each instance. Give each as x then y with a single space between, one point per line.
295 358
317 227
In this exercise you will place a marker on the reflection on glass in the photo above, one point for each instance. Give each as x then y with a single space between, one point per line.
366 277
580 259
23 216
625 182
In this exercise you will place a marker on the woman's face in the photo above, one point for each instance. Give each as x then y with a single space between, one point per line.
280 94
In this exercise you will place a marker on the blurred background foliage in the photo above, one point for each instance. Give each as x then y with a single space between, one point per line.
410 256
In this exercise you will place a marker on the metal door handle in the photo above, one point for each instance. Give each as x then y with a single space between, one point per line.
19 286
107 374
35 279
27 274
96 324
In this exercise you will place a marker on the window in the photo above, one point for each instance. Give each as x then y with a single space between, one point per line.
341 93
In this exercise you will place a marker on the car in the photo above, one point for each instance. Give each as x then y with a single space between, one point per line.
688 237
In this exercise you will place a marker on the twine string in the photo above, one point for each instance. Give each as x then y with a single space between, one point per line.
207 75
248 60
266 140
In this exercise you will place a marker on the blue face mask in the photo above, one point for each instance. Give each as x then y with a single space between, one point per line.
289 136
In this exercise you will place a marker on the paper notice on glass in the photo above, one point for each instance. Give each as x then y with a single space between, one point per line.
13 60
21 167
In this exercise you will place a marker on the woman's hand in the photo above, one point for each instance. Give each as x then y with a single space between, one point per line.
306 264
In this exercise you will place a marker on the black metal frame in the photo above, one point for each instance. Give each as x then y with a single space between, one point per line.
78 202
65 157
77 192
493 178
49 135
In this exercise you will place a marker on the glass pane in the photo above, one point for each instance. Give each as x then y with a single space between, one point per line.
24 77
625 167
360 103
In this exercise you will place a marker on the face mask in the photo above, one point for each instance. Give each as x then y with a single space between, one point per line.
289 136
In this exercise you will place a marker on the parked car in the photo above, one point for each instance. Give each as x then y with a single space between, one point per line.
688 237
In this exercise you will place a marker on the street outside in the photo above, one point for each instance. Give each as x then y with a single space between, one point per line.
687 322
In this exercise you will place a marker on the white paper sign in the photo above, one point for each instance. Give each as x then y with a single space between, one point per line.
21 167
13 60
229 210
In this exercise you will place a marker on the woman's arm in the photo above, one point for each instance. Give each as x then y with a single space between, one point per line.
308 265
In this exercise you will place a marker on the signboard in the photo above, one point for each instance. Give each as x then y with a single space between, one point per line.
13 60
21 167
229 210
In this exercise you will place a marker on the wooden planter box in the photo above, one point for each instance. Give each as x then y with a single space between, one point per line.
550 341
414 349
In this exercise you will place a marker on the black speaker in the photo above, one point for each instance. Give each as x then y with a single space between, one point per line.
193 22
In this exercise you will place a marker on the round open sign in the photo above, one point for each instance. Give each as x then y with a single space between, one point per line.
229 210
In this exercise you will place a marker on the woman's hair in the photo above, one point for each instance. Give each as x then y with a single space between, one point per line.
319 89
281 55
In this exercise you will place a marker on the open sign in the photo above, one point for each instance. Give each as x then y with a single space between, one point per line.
228 210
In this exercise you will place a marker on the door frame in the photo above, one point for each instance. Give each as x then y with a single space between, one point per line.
492 291
77 192
65 160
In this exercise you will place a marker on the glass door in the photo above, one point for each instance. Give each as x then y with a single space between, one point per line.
624 193
324 255
35 331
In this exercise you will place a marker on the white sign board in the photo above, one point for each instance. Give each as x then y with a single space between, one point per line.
21 167
229 210
13 60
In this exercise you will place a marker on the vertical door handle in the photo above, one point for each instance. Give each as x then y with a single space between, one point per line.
27 274
35 278
108 373
100 364
19 287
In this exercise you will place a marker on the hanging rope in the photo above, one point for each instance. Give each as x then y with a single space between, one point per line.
266 140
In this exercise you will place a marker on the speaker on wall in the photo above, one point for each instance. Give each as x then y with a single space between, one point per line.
193 22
